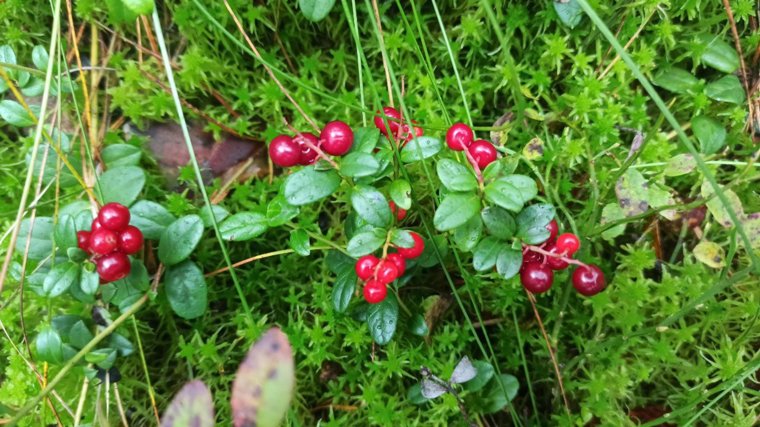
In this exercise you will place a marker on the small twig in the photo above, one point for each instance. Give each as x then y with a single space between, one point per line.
80 405
119 405
742 65
381 40
348 408
532 300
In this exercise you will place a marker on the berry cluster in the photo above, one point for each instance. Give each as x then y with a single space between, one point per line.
110 240
399 130
335 139
539 264
378 273
480 153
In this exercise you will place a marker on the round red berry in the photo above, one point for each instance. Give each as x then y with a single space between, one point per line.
568 243
365 266
337 138
555 263
532 256
83 240
392 116
114 216
113 267
284 152
104 241
588 280
483 152
536 278
553 228
130 240
398 212
416 250
308 154
375 292
459 136
398 261
95 226
386 272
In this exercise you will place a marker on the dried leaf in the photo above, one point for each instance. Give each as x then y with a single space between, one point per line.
264 383
632 192
716 206
534 149
192 406
710 254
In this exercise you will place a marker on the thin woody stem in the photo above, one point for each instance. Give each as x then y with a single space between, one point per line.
320 153
553 255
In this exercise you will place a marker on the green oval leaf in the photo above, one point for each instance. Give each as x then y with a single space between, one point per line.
467 235
116 155
401 193
280 211
186 290
243 226
121 185
710 134
358 165
151 218
299 242
315 10
486 253
420 148
675 80
60 278
504 194
343 290
140 7
719 54
499 222
494 396
726 89
309 185
264 383
455 176
40 242
180 239
40 57
371 206
525 185
49 346
485 373
366 242
455 210
532 221
569 12
14 114
509 262
382 319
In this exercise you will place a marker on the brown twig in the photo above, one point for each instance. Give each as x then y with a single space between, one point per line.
532 300
742 65
266 67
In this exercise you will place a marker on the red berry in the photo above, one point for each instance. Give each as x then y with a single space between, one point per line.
95 226
365 266
103 242
531 256
568 243
483 152
397 211
337 138
386 272
113 267
536 278
459 136
83 240
588 280
114 216
130 240
308 154
553 228
375 292
392 116
553 262
398 261
284 152
414 251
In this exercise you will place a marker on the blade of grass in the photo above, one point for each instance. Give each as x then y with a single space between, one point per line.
196 168
602 27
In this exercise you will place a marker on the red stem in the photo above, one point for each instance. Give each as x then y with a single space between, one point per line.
553 255
475 166
320 153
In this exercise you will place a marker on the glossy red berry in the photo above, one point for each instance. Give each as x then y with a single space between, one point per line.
536 278
392 116
375 292
483 152
130 240
365 266
114 216
83 240
530 256
568 243
459 136
414 251
553 228
95 226
284 152
104 241
386 272
398 261
337 138
113 267
588 280
553 262
308 154
398 212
